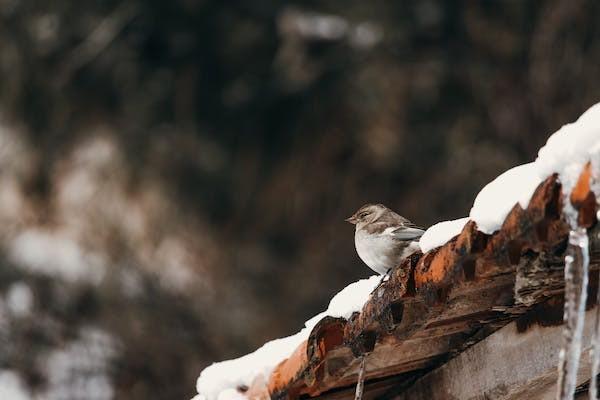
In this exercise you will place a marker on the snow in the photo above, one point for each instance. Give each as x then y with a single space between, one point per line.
242 371
565 153
54 253
220 380
12 387
231 394
19 299
571 147
352 298
498 197
440 233
81 369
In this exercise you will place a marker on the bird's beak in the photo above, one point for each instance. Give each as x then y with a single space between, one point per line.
352 220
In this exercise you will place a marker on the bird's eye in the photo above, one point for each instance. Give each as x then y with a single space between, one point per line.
363 214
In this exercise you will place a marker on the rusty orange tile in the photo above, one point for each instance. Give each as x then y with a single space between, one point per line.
288 369
583 198
582 187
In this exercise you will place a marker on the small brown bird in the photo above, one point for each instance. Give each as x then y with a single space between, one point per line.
383 238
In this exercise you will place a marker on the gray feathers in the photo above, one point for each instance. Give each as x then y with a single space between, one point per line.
383 238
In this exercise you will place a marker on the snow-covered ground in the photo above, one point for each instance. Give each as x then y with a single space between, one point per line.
566 153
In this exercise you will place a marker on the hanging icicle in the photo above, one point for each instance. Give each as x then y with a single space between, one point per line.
595 351
576 282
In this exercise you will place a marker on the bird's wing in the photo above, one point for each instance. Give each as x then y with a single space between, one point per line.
404 232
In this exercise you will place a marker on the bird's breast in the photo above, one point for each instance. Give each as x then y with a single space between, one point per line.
375 250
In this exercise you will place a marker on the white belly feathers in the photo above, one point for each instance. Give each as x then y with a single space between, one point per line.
374 250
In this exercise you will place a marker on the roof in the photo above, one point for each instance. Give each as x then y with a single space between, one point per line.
435 305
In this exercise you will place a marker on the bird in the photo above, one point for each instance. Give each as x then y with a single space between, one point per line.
383 238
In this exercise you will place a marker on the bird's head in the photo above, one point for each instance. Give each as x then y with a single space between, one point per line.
367 214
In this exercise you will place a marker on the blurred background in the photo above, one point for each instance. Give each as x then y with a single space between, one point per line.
174 176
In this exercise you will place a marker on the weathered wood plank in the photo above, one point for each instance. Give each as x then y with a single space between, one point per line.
509 364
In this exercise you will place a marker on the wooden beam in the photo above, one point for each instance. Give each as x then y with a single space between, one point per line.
509 364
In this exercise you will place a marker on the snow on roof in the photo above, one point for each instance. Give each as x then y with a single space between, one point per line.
440 233
497 198
566 153
220 380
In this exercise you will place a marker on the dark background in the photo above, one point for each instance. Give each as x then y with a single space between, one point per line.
174 175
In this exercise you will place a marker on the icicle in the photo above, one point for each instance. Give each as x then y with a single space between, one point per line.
576 282
360 384
595 352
